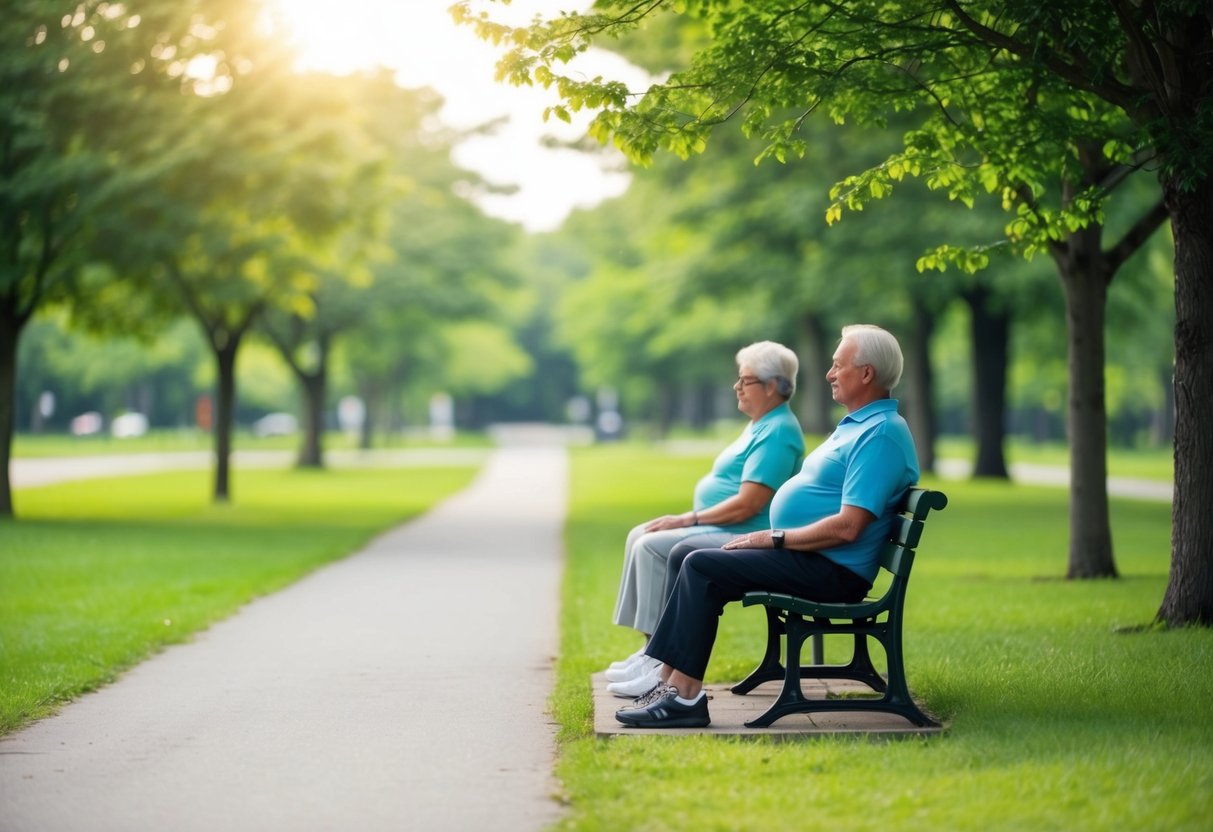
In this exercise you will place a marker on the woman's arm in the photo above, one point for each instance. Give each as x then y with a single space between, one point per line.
741 506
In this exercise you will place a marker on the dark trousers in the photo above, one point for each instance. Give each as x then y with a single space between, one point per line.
673 568
710 578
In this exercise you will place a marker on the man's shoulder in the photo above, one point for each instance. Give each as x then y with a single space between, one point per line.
877 417
877 411
880 425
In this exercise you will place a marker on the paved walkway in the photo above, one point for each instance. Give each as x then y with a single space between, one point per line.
402 688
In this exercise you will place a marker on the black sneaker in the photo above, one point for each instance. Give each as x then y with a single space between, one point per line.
654 693
667 712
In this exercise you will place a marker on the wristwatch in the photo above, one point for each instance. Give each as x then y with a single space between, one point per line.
777 538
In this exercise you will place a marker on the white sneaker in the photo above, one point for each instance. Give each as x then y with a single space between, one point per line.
643 667
638 686
619 665
628 670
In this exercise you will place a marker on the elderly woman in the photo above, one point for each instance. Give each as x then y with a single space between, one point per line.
730 500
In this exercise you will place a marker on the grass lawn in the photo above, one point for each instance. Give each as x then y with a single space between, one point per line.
97 575
1137 463
1066 711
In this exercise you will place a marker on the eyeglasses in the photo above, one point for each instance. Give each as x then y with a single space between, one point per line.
746 381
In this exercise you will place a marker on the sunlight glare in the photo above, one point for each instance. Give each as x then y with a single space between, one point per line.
421 43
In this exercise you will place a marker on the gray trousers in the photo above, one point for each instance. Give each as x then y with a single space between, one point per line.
645 559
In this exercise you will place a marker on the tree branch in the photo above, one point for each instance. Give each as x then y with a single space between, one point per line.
1112 91
191 300
1137 236
594 24
1120 173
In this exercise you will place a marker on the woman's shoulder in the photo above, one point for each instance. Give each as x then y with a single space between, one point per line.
785 422
779 418
783 428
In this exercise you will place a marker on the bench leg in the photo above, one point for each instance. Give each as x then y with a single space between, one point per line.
897 697
859 668
791 698
769 668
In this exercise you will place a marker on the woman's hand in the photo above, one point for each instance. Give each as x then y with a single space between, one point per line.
670 521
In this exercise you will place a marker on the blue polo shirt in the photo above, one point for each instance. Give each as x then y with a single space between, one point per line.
869 461
767 452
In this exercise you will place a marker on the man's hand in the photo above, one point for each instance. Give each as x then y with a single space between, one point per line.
753 540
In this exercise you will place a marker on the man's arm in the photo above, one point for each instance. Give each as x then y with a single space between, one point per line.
836 530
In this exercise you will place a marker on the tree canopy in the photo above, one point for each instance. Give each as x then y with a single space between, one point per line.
1048 106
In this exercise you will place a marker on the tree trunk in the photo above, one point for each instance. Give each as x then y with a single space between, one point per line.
1085 276
10 331
1189 595
225 409
991 333
315 390
694 403
920 383
311 454
816 403
664 410
370 393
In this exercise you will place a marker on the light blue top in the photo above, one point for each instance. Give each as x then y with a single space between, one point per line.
869 461
767 452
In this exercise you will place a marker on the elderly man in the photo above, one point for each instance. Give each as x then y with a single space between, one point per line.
827 525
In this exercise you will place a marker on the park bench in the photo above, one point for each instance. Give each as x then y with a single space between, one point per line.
796 619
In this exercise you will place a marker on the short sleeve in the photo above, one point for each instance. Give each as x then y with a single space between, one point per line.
774 457
875 474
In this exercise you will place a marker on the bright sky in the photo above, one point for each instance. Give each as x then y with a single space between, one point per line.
420 41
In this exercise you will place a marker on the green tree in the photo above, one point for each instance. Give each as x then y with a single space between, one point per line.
636 322
332 297
758 241
84 88
440 263
741 234
240 230
86 371
1011 98
545 263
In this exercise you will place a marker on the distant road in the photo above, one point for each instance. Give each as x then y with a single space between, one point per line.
1028 473
38 471
32 472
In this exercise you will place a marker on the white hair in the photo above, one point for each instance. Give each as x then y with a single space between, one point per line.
771 361
877 347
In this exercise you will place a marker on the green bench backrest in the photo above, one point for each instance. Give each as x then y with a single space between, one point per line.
897 556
